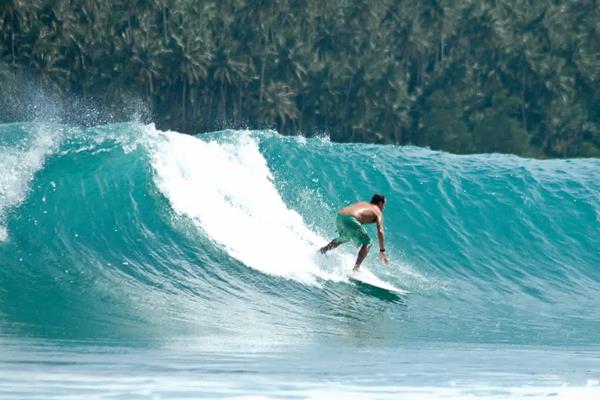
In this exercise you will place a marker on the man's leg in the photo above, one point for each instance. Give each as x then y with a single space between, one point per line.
330 246
362 253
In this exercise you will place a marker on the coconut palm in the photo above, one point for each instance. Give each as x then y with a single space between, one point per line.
433 73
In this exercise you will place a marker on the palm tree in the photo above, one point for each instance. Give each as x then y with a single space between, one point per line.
278 107
190 59
228 74
9 26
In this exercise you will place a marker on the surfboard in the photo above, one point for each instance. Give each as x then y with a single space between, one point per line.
366 277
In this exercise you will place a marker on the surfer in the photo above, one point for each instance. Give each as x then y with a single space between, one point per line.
349 224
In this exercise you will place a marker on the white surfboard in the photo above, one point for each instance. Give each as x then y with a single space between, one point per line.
366 277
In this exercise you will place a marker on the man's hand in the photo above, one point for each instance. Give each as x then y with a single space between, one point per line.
383 257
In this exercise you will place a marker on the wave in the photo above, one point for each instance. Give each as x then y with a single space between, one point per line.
126 230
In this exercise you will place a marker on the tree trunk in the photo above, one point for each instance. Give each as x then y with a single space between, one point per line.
183 102
222 104
347 100
239 108
262 81
164 17
210 102
523 111
12 47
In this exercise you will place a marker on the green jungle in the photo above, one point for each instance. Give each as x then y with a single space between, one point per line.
509 76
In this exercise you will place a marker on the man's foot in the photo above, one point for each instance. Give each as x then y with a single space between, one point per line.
356 268
323 250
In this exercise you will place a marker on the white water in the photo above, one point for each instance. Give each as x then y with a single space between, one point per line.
18 165
227 190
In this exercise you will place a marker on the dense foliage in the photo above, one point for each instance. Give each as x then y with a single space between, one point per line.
465 76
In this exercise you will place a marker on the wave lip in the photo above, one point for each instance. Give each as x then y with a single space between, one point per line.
23 151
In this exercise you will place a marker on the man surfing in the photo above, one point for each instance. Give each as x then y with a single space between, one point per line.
349 224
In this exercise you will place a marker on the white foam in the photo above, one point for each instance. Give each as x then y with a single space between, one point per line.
17 168
60 383
227 189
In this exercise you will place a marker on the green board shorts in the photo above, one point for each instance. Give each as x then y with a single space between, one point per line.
349 228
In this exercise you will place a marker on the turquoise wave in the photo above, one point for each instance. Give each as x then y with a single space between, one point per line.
126 232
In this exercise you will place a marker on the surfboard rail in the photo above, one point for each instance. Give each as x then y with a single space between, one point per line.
366 277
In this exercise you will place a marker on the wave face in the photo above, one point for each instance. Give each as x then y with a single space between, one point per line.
123 231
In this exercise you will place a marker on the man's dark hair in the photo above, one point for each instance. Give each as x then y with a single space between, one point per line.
377 198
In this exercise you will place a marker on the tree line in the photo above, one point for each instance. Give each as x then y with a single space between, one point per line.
512 76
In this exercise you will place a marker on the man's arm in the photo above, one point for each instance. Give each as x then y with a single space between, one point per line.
381 239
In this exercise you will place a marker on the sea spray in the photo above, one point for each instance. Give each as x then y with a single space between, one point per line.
23 150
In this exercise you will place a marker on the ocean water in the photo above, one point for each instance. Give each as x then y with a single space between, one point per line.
136 263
